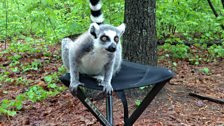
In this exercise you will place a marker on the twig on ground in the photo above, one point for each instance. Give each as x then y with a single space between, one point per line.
207 98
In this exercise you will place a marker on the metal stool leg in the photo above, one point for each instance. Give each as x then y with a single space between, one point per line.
109 108
94 110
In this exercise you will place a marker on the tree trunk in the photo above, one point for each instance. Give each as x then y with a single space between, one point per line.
140 36
222 1
139 43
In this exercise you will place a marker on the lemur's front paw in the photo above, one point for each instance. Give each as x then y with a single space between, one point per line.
74 85
107 87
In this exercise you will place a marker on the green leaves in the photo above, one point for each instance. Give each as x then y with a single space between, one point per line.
205 70
191 16
8 107
216 51
179 51
7 112
138 102
48 79
36 93
54 19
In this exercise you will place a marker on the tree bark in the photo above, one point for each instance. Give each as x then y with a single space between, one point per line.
222 1
140 36
139 44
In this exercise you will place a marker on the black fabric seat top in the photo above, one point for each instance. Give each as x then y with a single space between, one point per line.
131 75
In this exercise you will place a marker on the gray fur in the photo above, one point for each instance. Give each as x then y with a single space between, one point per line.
89 55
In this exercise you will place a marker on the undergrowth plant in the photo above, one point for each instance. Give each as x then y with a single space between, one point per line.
179 51
34 93
216 51
188 20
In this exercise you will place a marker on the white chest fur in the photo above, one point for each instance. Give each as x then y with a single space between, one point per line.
93 63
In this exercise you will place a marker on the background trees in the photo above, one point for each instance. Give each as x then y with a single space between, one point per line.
140 35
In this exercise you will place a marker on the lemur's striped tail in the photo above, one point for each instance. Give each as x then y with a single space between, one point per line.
96 14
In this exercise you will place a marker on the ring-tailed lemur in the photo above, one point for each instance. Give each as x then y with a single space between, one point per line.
97 52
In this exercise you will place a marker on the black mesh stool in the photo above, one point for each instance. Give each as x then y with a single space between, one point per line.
131 75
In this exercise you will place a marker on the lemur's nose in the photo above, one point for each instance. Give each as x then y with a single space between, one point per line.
111 48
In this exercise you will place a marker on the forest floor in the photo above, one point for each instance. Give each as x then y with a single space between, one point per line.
172 106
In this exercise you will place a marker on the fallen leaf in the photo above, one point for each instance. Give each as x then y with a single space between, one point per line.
200 103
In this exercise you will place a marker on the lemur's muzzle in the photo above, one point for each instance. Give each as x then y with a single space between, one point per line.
111 48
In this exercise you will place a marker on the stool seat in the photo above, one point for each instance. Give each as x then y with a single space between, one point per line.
131 75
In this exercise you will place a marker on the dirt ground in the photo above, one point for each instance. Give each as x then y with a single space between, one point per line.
172 106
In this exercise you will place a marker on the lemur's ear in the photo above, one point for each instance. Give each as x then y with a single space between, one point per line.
121 28
94 30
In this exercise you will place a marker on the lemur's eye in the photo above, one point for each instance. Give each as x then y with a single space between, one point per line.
104 38
116 39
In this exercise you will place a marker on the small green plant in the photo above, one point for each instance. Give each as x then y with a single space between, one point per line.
195 60
216 51
179 51
205 70
50 80
9 107
36 93
3 76
174 64
61 70
15 57
22 81
4 108
14 63
35 65
15 69
138 102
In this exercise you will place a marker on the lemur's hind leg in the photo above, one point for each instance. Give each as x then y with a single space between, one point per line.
74 73
65 51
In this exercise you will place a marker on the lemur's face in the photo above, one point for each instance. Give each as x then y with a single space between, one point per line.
106 36
109 40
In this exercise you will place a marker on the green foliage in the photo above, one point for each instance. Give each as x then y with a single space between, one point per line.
35 65
188 17
138 102
34 94
8 107
37 93
216 51
179 51
52 20
204 70
193 22
5 104
195 60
